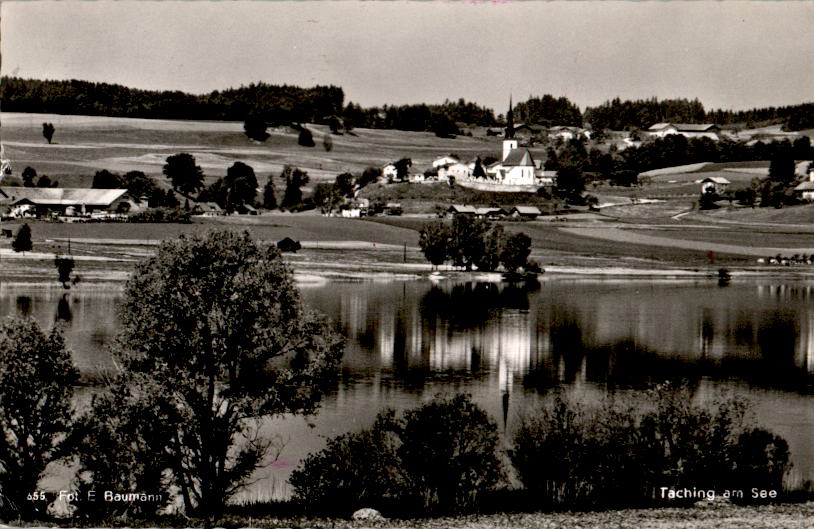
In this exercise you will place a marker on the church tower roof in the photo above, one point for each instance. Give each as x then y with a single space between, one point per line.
509 121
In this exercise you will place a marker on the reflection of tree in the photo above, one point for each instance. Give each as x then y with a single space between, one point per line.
470 305
24 305
64 309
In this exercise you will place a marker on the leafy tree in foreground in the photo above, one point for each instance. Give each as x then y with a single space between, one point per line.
65 266
29 174
36 386
467 245
214 338
104 179
294 180
22 241
434 242
269 198
48 131
183 173
493 244
515 251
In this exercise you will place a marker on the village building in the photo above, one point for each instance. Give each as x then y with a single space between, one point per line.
207 209
445 161
389 172
714 184
69 202
456 209
525 212
490 213
688 130
565 133
805 191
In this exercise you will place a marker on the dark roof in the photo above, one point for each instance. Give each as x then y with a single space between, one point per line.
455 208
686 127
519 157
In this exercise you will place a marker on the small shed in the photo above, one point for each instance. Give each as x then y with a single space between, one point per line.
393 208
714 184
457 209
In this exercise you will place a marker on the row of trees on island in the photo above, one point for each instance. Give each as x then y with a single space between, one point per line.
472 242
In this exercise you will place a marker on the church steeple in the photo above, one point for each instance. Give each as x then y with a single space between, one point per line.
509 121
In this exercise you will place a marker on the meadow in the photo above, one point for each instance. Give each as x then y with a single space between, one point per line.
86 144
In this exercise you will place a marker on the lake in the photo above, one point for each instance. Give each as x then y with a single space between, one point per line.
409 340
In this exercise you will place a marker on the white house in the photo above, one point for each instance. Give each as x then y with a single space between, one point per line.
444 161
806 190
389 172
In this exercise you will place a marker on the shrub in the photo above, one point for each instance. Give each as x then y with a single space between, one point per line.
355 470
449 453
161 215
441 456
570 455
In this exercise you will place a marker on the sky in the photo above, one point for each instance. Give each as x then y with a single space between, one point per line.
730 55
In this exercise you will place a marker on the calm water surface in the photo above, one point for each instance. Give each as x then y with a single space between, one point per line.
409 340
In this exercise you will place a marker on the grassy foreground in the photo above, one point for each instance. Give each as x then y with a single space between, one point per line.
715 516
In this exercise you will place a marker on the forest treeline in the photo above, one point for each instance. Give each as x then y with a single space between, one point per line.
285 104
642 113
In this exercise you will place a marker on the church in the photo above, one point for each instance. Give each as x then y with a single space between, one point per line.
517 166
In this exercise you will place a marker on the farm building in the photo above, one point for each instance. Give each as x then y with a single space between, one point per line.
490 213
688 130
44 201
457 209
445 161
714 184
207 209
805 191
525 212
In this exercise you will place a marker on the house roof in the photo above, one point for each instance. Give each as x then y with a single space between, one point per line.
520 157
455 208
685 127
805 186
527 210
716 180
487 211
208 206
64 196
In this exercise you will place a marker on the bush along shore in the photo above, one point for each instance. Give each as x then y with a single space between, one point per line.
175 430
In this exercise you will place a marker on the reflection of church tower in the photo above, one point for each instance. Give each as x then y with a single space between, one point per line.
509 121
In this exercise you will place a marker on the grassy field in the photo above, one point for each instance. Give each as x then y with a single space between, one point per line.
85 144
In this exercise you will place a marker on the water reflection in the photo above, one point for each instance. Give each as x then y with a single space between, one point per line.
510 344
64 309
619 335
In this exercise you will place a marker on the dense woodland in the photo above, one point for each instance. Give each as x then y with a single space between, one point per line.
285 104
641 114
